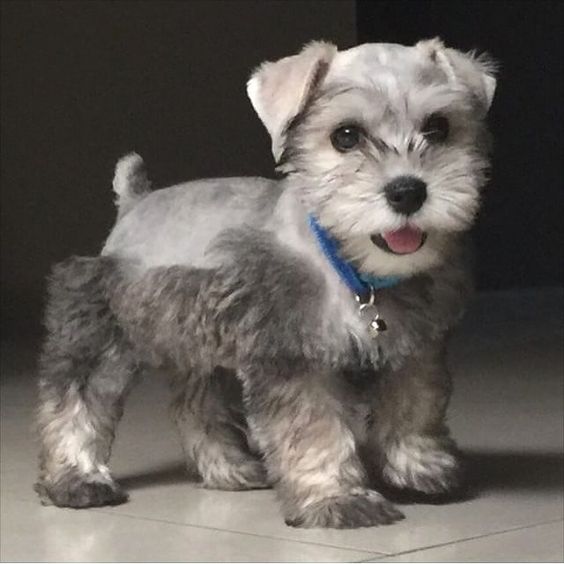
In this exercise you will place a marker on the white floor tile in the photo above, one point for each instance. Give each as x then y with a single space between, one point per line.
30 532
257 512
543 543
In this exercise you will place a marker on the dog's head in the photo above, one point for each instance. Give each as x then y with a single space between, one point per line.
387 143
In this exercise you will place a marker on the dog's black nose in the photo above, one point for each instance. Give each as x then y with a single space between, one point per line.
406 194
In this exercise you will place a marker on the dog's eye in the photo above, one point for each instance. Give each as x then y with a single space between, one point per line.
346 137
435 128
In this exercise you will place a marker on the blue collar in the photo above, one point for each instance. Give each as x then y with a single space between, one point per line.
358 283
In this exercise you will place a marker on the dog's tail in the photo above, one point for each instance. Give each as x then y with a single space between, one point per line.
131 183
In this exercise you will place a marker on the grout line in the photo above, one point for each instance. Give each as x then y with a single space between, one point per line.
216 529
250 534
376 557
380 554
461 541
373 555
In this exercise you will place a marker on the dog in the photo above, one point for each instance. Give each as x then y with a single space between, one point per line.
302 321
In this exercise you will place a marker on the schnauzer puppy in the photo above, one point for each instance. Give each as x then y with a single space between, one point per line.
302 321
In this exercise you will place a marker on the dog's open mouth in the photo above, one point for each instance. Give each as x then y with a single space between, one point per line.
404 241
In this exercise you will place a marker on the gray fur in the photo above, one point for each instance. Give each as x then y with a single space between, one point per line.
220 283
86 371
210 416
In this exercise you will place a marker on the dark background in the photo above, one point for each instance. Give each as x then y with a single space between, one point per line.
84 82
520 232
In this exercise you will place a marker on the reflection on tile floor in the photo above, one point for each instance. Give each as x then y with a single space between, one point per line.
507 415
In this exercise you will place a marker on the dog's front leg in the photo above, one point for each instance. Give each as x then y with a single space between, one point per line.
409 439
310 453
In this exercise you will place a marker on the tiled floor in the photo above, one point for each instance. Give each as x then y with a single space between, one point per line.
507 414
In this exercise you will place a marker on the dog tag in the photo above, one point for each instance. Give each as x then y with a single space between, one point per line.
377 326
369 313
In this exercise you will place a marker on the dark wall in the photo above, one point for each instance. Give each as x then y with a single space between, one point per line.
520 232
84 82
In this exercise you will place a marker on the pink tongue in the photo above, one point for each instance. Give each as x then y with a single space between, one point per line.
404 241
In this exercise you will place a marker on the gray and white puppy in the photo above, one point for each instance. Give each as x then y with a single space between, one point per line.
228 286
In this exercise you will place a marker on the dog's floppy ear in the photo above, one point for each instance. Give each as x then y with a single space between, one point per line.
473 72
280 90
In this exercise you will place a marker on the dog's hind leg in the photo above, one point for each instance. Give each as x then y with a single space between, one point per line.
209 413
86 369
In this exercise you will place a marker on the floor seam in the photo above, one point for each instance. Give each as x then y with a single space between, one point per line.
378 555
372 554
468 539
381 554
217 529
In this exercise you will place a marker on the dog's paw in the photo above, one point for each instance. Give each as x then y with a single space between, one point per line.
424 465
244 475
365 508
78 493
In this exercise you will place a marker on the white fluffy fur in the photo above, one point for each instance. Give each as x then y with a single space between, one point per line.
389 90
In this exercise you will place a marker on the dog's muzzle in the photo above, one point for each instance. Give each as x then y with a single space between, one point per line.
405 195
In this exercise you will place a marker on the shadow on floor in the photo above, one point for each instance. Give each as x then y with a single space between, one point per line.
515 470
166 474
485 471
